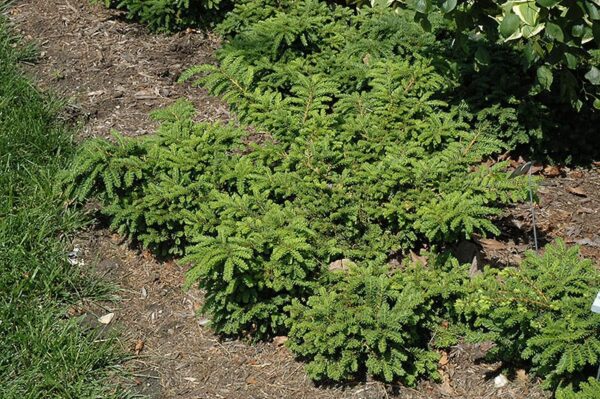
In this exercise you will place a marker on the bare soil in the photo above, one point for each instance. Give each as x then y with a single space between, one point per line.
114 73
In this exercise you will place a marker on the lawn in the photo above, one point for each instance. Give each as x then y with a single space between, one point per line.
43 352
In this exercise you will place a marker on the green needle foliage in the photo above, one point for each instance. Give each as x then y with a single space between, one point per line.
376 321
587 390
540 313
355 160
275 214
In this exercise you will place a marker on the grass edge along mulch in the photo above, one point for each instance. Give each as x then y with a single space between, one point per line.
44 351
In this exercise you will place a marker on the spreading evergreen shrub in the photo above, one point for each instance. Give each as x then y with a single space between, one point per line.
378 321
540 313
360 159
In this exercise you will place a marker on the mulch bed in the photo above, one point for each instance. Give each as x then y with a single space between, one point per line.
114 73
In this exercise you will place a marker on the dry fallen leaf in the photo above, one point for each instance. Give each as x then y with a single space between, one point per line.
418 259
251 380
551 171
576 174
522 376
280 340
443 359
577 191
535 169
139 346
106 319
445 387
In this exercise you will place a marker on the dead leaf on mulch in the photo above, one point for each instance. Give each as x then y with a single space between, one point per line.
443 359
445 388
577 191
535 169
139 346
551 171
418 259
576 174
522 376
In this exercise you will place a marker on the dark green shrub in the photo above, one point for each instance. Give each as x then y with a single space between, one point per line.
377 321
540 313
169 15
253 268
235 209
360 153
587 390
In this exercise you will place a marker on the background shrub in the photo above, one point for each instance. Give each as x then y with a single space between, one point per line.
169 15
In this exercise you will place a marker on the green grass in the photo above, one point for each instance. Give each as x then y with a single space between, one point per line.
43 353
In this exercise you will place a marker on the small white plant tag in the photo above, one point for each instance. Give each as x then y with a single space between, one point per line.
596 304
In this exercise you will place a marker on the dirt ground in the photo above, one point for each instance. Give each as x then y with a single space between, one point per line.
114 73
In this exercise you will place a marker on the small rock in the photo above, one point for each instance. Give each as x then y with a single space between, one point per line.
500 381
203 321
341 265
106 319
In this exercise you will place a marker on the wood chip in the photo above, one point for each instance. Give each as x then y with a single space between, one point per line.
489 244
95 93
577 191
145 95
